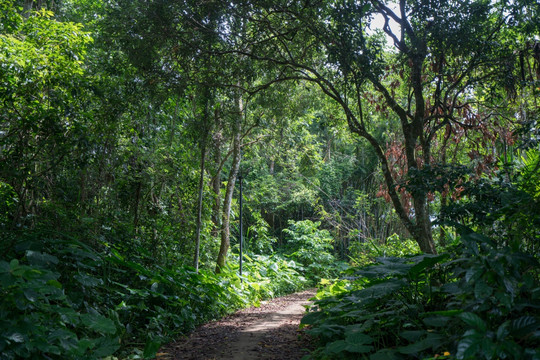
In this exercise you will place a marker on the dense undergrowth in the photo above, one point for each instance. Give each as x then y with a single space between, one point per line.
79 303
125 125
478 299
62 299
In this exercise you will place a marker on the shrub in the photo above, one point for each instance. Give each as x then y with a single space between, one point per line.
61 299
477 302
43 314
365 253
312 248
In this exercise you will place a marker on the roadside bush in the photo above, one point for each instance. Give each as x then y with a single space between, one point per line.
365 253
272 275
478 301
45 312
60 299
312 248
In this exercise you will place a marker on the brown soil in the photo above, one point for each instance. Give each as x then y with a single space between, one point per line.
267 332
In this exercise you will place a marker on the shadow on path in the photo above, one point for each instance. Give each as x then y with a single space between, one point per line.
268 332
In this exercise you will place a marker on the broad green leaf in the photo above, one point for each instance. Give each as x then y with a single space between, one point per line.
412 335
99 323
30 294
68 315
488 348
436 321
41 259
482 290
431 341
312 318
524 325
385 270
67 339
83 345
427 262
151 348
363 325
16 337
4 267
510 285
474 273
13 264
358 348
256 286
54 283
358 338
385 354
473 321
468 346
502 331
105 346
336 347
87 280
327 330
382 289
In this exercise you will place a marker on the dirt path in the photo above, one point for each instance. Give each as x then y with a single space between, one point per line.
267 332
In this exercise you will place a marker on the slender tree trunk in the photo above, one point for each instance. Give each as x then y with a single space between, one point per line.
138 190
225 232
216 207
200 206
216 178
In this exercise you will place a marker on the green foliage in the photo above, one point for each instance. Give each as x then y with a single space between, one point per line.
273 275
99 166
476 302
365 253
529 173
8 200
64 300
160 303
10 19
312 248
507 211
498 287
258 238
48 312
380 300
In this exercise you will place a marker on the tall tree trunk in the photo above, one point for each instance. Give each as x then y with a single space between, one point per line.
200 205
137 200
216 219
420 226
225 229
216 177
422 231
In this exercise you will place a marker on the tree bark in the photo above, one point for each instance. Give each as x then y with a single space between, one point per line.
423 234
200 205
233 173
216 177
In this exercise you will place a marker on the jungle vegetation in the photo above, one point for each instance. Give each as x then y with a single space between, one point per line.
388 150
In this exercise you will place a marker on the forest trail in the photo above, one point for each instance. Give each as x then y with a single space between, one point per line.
267 332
